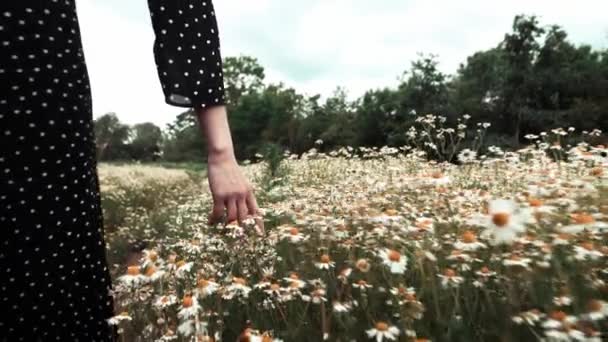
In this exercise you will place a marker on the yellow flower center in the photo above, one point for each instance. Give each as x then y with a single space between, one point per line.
153 255
150 271
181 263
394 256
500 219
535 202
133 270
294 231
469 237
325 259
594 305
188 301
362 265
275 287
558 315
381 326
582 218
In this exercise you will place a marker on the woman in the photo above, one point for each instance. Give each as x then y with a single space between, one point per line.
54 281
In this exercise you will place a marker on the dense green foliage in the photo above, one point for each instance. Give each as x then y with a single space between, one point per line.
534 80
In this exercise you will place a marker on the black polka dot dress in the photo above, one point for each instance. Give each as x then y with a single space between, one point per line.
54 280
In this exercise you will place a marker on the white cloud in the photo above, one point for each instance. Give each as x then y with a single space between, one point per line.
314 45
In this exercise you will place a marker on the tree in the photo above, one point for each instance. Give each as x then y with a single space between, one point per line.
146 141
110 136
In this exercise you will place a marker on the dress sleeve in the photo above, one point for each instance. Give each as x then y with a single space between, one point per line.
187 52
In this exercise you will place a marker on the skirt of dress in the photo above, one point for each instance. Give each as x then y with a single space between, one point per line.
54 280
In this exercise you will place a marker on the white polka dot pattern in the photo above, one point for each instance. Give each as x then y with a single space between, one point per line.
187 52
54 281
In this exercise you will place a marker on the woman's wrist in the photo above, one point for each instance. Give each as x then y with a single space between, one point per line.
213 123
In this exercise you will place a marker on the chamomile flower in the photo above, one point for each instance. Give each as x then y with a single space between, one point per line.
382 331
468 242
190 306
396 262
325 262
133 276
123 316
449 278
503 222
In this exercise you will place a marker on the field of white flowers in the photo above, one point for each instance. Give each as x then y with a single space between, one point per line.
369 245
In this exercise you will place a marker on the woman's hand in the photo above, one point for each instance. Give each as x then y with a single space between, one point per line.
230 190
229 187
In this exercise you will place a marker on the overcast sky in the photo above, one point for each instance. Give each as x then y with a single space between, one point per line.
313 45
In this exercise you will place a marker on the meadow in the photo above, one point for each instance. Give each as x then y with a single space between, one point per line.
370 244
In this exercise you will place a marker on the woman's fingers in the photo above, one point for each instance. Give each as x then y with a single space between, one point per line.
242 209
254 210
217 212
231 209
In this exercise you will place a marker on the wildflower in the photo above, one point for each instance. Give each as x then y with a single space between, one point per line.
467 156
485 272
190 306
123 316
183 268
468 242
325 262
165 301
317 296
530 317
383 331
133 276
516 260
153 273
586 250
295 281
450 279
293 234
504 221
597 309
341 307
206 287
362 285
238 287
583 222
394 260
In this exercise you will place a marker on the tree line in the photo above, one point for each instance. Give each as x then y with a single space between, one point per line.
534 80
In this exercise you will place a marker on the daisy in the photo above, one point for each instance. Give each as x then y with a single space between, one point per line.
529 317
485 272
294 281
153 273
183 268
190 306
516 260
123 316
325 263
165 301
468 242
586 250
503 222
362 285
341 307
150 257
450 279
597 310
293 235
583 222
238 286
133 276
317 296
394 260
206 287
363 265
383 331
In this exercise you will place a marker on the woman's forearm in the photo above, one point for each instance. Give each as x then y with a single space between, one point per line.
213 122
